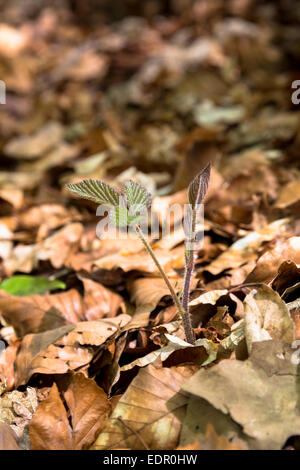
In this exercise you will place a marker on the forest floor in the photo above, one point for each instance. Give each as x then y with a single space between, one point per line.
92 352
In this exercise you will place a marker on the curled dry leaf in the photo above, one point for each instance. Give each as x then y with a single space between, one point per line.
267 265
69 347
150 412
287 278
189 353
245 249
30 349
267 317
210 297
88 406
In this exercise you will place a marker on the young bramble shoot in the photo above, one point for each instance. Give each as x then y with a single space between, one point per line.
125 210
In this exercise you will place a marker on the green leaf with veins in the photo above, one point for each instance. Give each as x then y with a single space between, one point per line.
97 191
137 196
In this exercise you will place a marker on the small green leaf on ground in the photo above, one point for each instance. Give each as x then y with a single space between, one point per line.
23 285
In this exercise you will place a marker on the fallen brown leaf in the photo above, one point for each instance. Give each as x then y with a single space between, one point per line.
89 408
150 410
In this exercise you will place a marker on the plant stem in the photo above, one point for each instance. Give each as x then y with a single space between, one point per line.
189 333
189 268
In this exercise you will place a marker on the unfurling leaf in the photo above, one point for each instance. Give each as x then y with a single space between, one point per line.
137 196
198 187
97 191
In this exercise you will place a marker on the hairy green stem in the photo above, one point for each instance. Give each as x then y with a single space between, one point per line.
189 333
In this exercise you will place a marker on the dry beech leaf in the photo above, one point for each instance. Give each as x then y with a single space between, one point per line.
8 439
267 317
210 297
287 278
34 146
37 313
245 249
248 392
267 265
95 332
151 411
58 247
32 345
149 291
89 409
143 262
49 428
7 369
49 215
100 302
45 353
200 415
288 195
175 345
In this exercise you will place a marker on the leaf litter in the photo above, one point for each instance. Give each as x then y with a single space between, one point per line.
92 350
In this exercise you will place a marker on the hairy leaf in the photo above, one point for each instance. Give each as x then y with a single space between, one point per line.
97 191
137 196
198 187
121 217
